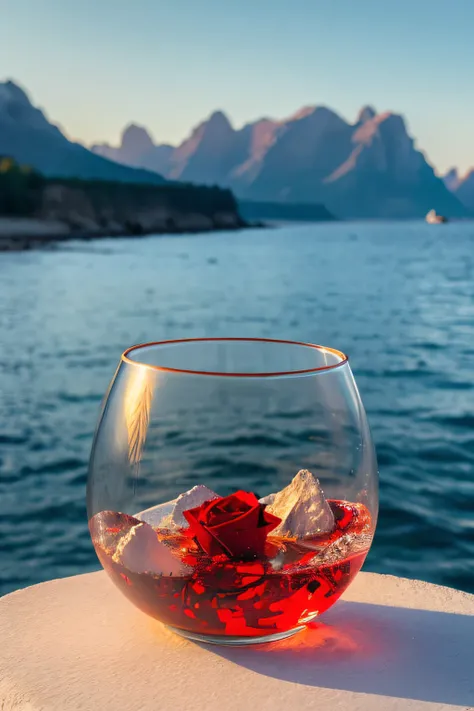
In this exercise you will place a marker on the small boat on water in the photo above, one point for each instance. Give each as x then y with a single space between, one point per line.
433 219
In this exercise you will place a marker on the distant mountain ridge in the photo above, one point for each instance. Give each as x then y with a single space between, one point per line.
367 169
452 179
137 150
27 136
461 187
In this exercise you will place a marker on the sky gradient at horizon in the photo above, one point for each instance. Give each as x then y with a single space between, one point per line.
95 66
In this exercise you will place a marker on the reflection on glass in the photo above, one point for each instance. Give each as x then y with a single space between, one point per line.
232 491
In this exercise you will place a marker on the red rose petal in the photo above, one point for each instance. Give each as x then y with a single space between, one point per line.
236 525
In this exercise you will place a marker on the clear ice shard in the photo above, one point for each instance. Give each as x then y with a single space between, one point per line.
170 514
302 507
140 551
156 514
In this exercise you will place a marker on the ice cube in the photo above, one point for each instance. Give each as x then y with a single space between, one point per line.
140 551
170 514
302 507
155 514
189 500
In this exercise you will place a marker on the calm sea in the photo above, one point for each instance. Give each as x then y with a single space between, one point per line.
399 298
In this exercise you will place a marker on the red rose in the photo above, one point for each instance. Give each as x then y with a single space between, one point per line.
235 525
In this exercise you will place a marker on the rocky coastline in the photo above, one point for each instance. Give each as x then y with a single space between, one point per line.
19 234
38 211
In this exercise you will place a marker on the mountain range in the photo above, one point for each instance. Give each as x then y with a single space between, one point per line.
370 168
27 136
461 187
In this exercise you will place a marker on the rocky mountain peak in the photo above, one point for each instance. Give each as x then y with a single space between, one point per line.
316 115
366 114
315 155
389 123
29 137
136 138
16 109
12 92
218 124
452 179
464 190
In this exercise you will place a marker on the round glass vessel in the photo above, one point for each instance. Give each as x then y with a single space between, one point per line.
232 488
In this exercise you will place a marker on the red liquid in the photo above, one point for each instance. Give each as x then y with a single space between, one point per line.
292 584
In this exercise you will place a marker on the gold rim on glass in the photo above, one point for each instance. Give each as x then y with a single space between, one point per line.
127 359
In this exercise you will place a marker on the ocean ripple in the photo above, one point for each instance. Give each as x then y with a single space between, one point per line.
397 297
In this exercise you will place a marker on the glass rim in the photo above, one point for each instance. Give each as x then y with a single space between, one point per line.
344 359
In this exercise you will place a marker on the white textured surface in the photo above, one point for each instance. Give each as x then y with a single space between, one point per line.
390 644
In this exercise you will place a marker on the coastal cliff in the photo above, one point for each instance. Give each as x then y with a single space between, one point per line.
35 209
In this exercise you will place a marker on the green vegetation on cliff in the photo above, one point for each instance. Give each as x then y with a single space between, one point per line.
20 189
182 197
101 208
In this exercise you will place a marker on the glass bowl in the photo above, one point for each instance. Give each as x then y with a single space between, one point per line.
233 489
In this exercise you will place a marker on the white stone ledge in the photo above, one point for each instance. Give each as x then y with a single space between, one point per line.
390 644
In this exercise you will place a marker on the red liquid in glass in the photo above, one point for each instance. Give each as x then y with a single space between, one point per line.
295 581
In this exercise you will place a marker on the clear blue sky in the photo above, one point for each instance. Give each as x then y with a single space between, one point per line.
96 65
